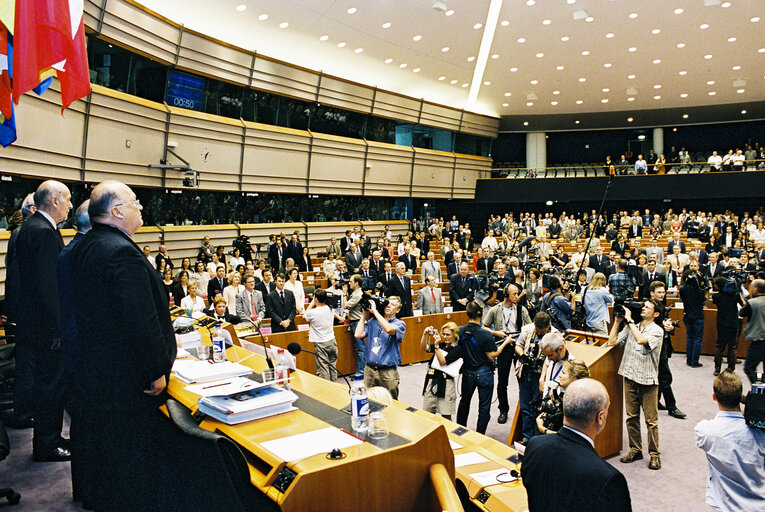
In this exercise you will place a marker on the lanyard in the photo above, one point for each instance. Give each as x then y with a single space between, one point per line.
560 367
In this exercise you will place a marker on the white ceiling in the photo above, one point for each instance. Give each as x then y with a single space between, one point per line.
516 63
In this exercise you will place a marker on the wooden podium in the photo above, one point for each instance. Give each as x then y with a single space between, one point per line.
603 362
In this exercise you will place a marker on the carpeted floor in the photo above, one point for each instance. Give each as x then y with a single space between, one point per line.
678 486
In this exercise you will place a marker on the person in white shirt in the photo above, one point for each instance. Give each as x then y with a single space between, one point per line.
641 166
489 242
715 162
147 253
232 290
329 266
738 161
200 275
296 287
192 300
236 259
321 333
212 265
727 161
258 273
735 452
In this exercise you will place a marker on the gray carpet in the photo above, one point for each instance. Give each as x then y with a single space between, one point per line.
678 486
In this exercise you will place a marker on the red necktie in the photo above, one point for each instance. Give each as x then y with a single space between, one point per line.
252 307
433 294
678 260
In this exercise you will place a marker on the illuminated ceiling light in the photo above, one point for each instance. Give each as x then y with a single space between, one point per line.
604 100
449 12
607 65
657 61
508 94
504 23
711 93
530 2
609 35
684 95
416 70
633 15
417 37
736 68
556 92
513 70
740 91
681 45
579 102
341 44
540 55
606 89
731 39
631 98
445 49
655 31
683 73
263 17
546 22
577 121
710 82
565 38
589 19
324 38
632 49
631 77
586 53
708 56
704 26
560 68
529 103
678 11
441 78
386 24
534 82
495 56
570 2
641 137
284 24
471 58
657 86
477 26
725 5
685 116
465 85
453 82
388 61
761 50
583 79
521 40
505 104
487 83
352 10
629 119
657 97
755 19
241 7
358 50
743 112
553 103
525 123
402 65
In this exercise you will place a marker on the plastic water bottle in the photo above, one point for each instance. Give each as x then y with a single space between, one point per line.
359 404
219 345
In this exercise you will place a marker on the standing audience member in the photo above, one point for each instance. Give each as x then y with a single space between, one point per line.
693 293
429 298
355 313
439 392
596 300
563 472
658 292
234 288
280 307
640 369
382 334
249 303
727 302
38 316
735 452
754 333
294 285
401 286
462 288
321 333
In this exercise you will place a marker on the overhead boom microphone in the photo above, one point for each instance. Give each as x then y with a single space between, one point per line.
294 348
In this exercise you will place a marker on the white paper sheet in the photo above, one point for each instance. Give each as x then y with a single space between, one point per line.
468 459
307 444
486 478
455 445
452 369
224 387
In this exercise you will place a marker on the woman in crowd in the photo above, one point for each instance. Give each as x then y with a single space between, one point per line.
260 267
232 290
572 369
329 267
439 392
596 302
414 250
581 282
200 276
221 252
161 265
389 248
181 289
304 261
236 259
168 281
715 241
296 287
185 265
534 289
192 300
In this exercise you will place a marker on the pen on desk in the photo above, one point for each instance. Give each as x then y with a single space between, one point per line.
216 385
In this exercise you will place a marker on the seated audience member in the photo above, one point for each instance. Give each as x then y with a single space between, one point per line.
735 452
584 482
236 259
181 289
164 256
201 276
219 311
439 392
218 283
260 266
185 265
321 320
232 290
280 307
294 285
192 300
169 283
571 370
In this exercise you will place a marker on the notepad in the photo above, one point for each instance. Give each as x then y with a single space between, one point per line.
308 444
492 477
468 459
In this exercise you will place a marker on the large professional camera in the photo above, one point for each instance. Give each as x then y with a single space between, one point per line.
242 242
694 279
552 407
565 275
740 277
534 364
379 302
635 307
754 405
334 300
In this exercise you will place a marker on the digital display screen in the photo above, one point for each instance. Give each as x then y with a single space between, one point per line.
184 90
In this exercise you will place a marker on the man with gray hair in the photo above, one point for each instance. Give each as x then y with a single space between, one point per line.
38 349
563 472
553 347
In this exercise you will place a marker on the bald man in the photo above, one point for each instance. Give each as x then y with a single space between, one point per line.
38 348
127 348
563 472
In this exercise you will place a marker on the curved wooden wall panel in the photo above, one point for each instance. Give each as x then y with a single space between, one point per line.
389 170
347 95
467 171
202 55
337 165
433 173
275 159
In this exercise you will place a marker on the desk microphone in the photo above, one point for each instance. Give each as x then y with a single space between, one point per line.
294 348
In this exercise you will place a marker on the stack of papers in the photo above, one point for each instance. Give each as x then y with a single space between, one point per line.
248 405
206 371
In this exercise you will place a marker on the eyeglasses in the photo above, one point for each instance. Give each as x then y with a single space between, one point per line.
135 203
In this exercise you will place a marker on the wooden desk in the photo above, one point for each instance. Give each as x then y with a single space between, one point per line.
710 333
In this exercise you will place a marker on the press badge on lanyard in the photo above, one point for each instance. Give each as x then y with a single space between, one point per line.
376 345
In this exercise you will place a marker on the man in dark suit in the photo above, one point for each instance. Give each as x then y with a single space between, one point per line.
353 258
454 267
368 276
217 283
38 316
164 255
365 243
408 260
715 267
376 263
562 472
127 351
599 262
635 231
267 285
672 242
401 286
462 287
620 245
423 244
277 255
346 241
485 262
294 248
387 274
280 307
650 275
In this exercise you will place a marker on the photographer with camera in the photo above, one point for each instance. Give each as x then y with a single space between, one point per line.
356 313
529 369
559 302
734 450
693 294
640 369
726 294
622 286
754 311
658 292
382 335
505 321
550 419
439 392
321 333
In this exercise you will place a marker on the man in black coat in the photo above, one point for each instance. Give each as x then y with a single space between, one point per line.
562 472
294 248
408 260
277 255
267 285
462 288
217 283
650 274
600 262
280 307
401 286
127 349
38 348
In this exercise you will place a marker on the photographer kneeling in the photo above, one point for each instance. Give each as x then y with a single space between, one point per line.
550 419
439 392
